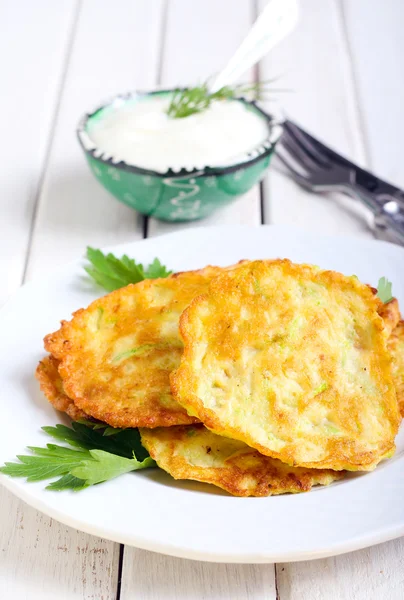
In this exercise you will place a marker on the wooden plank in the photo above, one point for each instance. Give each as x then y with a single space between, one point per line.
376 46
30 80
39 557
190 56
43 560
150 576
107 57
115 50
369 574
314 64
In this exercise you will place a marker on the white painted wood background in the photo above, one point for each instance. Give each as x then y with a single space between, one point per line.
344 65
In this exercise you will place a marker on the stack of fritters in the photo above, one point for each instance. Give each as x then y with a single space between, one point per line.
262 378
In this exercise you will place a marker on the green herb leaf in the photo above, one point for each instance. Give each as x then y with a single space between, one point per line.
156 270
112 273
384 290
93 424
66 434
67 482
60 452
104 466
33 472
189 101
123 443
49 462
106 429
97 455
112 431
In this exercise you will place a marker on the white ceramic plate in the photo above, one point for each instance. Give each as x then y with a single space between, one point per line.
150 510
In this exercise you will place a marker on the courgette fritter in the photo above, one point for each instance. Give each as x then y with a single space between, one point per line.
293 361
52 386
115 356
194 452
395 345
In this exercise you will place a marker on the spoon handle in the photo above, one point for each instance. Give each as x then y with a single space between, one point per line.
276 21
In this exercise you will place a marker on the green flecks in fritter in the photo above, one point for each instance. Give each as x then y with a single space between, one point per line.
100 314
321 388
134 352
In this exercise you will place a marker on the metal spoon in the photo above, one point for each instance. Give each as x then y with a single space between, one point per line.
276 21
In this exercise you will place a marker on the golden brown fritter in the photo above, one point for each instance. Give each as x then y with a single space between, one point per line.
395 345
293 361
389 312
52 386
194 452
116 355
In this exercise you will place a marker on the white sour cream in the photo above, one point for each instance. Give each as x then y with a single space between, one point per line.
141 134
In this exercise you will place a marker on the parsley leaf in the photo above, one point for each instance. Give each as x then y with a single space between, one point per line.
123 443
156 270
67 482
112 273
106 429
99 426
46 463
93 458
104 466
384 290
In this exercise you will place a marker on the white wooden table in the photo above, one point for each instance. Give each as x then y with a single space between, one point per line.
344 64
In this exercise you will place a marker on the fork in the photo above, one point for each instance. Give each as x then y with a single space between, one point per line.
317 168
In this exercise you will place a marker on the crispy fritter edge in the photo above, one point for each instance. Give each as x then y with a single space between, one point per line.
47 374
230 478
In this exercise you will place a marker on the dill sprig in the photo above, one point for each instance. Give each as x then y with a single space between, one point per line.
189 101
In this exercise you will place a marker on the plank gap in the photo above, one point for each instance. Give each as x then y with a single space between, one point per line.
64 71
262 202
120 569
145 227
276 582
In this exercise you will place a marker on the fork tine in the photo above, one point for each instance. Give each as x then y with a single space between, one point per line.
298 177
308 143
301 156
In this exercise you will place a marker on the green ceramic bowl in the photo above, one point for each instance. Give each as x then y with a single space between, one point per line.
184 195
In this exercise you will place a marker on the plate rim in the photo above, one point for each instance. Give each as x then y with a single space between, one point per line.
357 543
19 488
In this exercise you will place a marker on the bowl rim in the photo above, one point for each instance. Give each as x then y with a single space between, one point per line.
263 150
